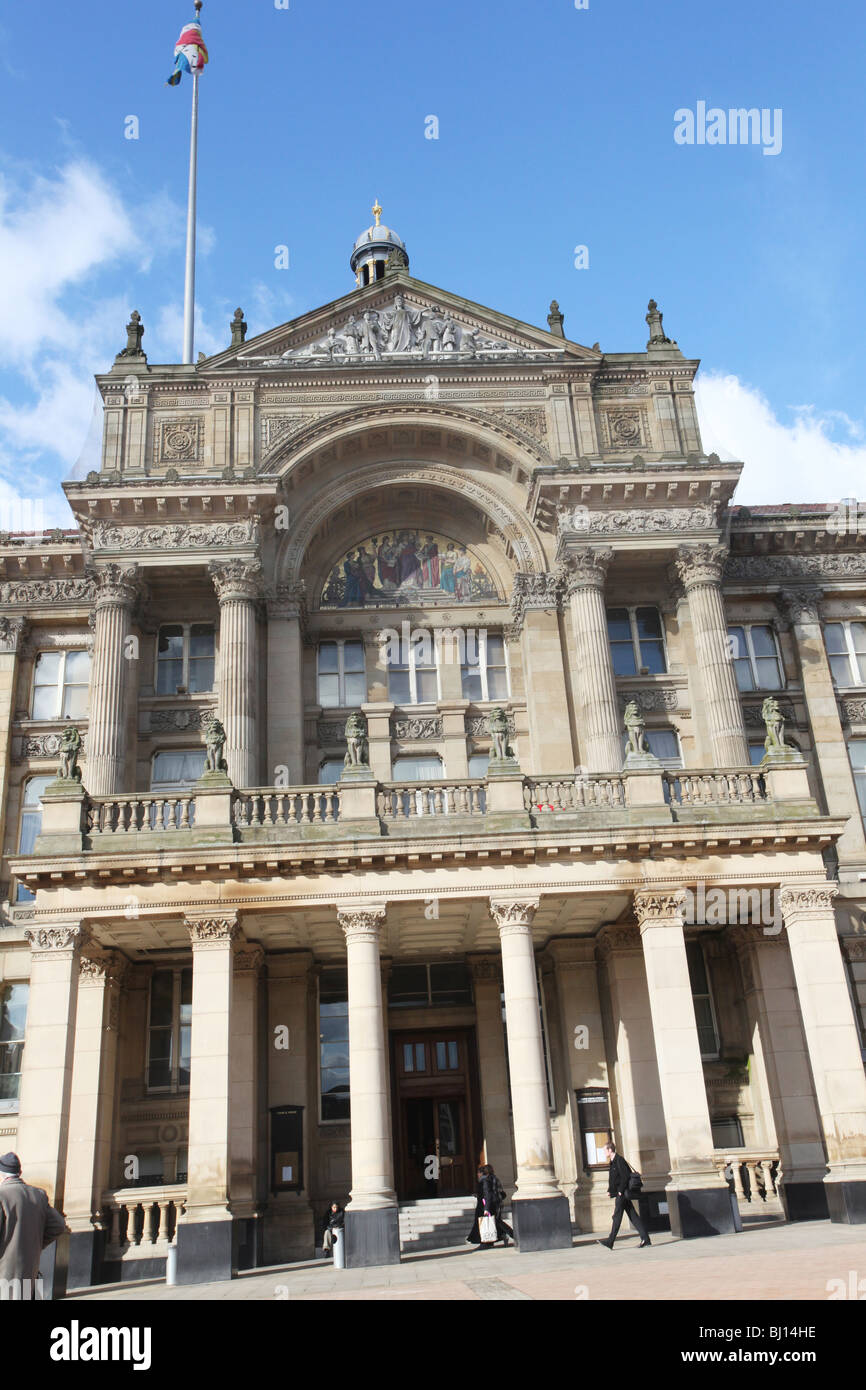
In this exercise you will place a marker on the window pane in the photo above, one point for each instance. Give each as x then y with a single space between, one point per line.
618 625
169 676
408 1057
428 689
353 656
743 672
45 702
762 640
664 744
648 622
495 651
47 668
77 668
449 984
857 750
201 671
328 657
34 789
471 682
697 968
161 996
478 764
76 699
335 1055
768 673
420 1057
419 769
201 640
13 1012
622 657
171 643
356 689
407 985
183 1069
756 753
31 824
707 1039
331 771
652 656
329 691
497 683
398 687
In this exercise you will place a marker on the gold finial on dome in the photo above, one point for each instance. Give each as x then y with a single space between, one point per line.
376 211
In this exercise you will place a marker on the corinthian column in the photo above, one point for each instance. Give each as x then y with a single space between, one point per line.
699 567
541 1216
372 1228
117 590
238 585
599 729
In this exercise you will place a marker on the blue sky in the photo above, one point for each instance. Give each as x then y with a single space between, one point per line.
556 130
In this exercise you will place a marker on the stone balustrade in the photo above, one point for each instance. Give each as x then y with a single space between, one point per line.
756 1175
574 794
408 800
141 1222
125 815
737 786
266 806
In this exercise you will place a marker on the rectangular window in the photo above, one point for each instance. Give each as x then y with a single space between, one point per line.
447 1056
31 824
705 1016
13 1018
334 1044
756 658
486 678
412 675
61 685
170 1030
857 754
176 769
637 644
846 652
341 674
185 658
727 1133
429 986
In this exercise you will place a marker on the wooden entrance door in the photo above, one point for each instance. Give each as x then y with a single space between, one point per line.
434 1116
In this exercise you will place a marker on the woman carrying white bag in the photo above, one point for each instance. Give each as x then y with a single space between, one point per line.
487 1226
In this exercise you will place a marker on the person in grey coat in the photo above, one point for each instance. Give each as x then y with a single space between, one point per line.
27 1225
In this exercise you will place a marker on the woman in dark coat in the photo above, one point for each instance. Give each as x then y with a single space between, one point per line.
490 1199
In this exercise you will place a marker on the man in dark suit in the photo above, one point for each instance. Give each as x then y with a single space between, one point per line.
27 1225
619 1174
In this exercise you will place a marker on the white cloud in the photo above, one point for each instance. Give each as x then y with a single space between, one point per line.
798 461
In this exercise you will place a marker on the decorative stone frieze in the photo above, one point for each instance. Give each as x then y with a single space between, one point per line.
178 441
177 536
190 720
659 698
624 429
639 521
48 591
854 711
418 728
330 731
477 726
792 566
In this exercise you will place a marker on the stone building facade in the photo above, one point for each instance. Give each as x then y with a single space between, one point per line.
243 978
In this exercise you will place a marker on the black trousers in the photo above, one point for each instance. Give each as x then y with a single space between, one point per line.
624 1205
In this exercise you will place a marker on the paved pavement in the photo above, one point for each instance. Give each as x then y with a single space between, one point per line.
763 1262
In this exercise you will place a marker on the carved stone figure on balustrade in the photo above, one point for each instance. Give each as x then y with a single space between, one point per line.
214 742
70 748
357 757
638 752
774 722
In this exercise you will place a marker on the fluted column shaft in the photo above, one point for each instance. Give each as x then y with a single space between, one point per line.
599 728
106 738
237 586
700 570
213 951
533 1142
91 1110
372 1151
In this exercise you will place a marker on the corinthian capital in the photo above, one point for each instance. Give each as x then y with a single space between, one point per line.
654 909
533 591
99 967
214 931
362 923
116 584
700 564
236 579
13 634
801 605
513 914
67 938
809 901
584 567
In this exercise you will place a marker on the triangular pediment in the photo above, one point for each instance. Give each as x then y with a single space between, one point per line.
400 321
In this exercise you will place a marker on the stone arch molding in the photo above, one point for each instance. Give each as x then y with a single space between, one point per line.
513 525
330 426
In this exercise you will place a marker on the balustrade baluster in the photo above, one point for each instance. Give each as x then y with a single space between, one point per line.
164 1211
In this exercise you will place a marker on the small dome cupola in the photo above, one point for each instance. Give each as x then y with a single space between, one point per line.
376 251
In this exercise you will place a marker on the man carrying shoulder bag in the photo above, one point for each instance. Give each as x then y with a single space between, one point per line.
623 1184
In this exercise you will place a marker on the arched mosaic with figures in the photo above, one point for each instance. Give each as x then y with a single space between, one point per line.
407 566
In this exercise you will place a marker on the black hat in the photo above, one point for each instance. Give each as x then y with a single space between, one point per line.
10 1165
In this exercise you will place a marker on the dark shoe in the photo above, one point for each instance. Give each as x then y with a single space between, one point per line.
608 1244
644 1243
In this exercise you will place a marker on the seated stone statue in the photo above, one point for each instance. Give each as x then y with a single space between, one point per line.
70 748
357 747
214 742
635 727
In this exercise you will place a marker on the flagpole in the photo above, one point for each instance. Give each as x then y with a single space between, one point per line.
189 278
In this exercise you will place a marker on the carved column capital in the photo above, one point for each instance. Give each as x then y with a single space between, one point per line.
116 585
212 931
13 634
56 939
854 948
801 604
700 564
485 969
655 908
249 958
100 967
533 591
584 567
513 914
807 901
362 923
236 580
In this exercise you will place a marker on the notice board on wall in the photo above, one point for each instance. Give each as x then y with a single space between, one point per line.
287 1148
